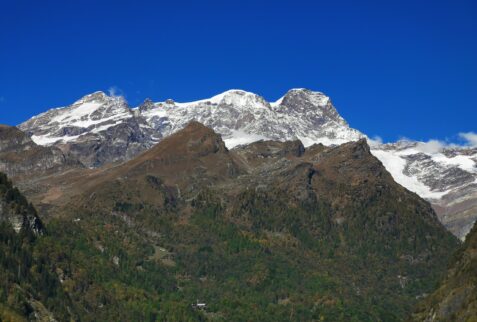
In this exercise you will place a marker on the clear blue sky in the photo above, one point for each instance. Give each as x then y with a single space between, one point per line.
392 68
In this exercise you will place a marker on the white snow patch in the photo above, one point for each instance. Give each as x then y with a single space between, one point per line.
462 161
104 127
77 112
325 141
277 102
49 140
240 137
395 165
235 97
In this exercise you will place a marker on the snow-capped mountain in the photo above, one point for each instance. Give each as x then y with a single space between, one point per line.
242 117
99 129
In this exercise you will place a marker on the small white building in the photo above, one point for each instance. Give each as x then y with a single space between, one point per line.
199 306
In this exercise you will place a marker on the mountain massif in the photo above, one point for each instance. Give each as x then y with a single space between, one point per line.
265 231
100 129
229 209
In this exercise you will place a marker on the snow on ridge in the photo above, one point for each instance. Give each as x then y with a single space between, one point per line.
240 137
232 96
277 102
461 161
395 165
244 117
239 96
49 140
306 141
92 113
436 163
76 112
464 162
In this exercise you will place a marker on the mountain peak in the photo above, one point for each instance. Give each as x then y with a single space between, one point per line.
98 96
239 98
194 154
194 140
305 96
148 104
235 97
95 117
198 138
236 91
303 90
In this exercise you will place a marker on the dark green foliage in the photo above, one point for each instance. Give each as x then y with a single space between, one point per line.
456 297
26 275
258 257
13 203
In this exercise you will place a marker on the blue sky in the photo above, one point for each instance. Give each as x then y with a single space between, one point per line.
392 68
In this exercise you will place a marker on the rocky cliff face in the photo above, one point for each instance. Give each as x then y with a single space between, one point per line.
15 209
99 129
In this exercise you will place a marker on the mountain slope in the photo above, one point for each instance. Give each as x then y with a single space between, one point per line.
268 231
99 129
456 298
29 290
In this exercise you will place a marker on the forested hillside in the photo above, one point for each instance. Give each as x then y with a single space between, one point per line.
265 232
